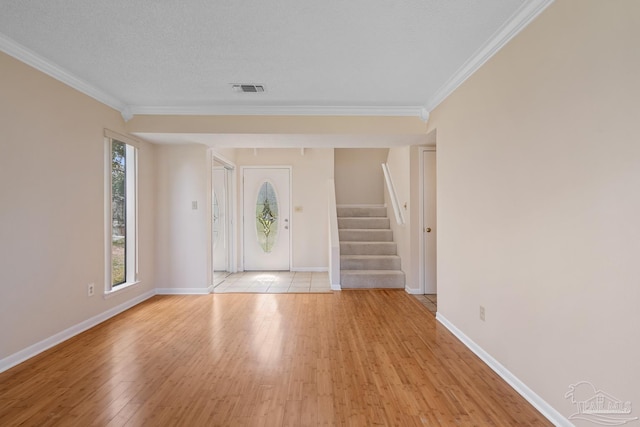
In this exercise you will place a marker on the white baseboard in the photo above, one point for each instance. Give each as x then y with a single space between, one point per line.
183 291
37 348
413 291
539 403
336 287
312 269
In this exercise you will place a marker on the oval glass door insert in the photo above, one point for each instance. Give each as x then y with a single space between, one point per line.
267 217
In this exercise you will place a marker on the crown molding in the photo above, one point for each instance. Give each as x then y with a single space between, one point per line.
283 110
518 21
21 53
16 50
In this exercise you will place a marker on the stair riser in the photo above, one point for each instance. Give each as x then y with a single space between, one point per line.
366 235
370 282
390 263
364 248
378 223
361 211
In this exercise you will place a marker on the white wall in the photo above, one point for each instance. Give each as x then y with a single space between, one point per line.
358 175
310 175
538 202
183 252
52 241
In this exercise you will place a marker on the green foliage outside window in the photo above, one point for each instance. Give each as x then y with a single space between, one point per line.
119 212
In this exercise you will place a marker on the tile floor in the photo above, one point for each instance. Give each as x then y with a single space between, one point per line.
429 300
275 282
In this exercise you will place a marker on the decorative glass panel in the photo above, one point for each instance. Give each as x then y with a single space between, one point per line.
216 220
267 217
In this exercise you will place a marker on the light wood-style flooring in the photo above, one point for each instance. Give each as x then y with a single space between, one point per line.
358 358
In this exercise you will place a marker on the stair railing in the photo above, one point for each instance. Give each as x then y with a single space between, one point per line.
392 194
334 239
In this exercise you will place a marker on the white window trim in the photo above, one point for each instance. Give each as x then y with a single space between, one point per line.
132 214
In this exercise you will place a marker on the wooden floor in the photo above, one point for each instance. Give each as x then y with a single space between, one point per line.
354 358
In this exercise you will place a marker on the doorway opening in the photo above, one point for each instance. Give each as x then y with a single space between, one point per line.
428 224
222 219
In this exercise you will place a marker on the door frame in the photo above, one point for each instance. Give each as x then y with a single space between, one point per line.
291 224
231 199
421 224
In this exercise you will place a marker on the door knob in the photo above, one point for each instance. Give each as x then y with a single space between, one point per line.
427 229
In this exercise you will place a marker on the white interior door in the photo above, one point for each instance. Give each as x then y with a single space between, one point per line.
429 220
266 214
220 220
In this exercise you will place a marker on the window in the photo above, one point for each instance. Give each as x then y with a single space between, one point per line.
121 268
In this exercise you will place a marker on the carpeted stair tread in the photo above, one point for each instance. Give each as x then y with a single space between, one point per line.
370 262
361 211
368 279
365 235
368 248
363 223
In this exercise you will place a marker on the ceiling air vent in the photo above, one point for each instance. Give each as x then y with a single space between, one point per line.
247 88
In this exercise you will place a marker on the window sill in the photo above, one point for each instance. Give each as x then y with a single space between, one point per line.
119 289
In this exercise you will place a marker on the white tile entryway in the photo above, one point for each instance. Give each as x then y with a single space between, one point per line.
275 282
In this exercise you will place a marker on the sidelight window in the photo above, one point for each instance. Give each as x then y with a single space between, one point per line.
122 214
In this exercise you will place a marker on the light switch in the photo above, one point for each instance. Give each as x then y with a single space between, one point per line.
194 205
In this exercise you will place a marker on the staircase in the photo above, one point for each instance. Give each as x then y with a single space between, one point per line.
368 254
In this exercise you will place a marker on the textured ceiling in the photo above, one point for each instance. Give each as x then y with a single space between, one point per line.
176 54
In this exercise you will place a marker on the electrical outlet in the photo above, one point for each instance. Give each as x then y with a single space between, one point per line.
90 289
482 313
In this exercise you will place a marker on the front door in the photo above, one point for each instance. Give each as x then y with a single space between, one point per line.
266 225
